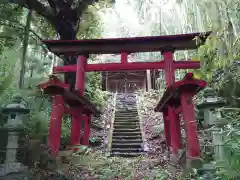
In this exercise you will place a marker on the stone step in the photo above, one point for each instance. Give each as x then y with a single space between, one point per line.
129 125
126 145
128 121
127 129
126 133
126 150
122 128
135 115
124 137
131 120
126 126
126 115
130 108
135 154
125 110
126 102
129 116
139 140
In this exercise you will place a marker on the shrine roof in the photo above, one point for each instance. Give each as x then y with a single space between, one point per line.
130 45
55 87
172 94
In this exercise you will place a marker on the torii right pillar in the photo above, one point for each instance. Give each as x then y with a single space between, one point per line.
187 88
171 121
171 114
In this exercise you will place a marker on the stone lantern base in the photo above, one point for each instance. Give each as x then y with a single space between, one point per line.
11 168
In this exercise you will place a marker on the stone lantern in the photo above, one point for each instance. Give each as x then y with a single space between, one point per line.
15 111
208 107
212 120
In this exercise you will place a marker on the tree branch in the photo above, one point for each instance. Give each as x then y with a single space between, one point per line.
53 5
38 7
21 27
80 8
82 5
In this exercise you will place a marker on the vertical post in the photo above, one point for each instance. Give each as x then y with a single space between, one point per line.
175 130
169 68
167 129
124 57
188 113
77 113
106 81
55 124
80 75
76 128
87 122
173 118
144 85
149 78
125 85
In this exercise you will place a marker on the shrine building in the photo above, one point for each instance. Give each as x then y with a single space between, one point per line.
128 81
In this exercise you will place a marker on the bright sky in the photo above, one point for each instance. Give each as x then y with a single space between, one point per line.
128 15
111 20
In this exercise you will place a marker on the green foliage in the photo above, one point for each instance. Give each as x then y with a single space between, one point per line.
91 26
38 63
9 35
93 86
230 168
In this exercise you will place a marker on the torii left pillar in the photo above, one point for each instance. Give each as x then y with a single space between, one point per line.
55 124
78 115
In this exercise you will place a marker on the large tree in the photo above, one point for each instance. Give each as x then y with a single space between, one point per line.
64 16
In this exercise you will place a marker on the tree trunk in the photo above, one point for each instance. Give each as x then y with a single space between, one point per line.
24 52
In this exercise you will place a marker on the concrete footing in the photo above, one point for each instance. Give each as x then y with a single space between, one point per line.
194 163
175 160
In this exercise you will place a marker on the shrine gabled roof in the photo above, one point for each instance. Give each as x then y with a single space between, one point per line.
130 45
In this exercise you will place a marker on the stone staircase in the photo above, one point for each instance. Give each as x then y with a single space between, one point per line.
126 137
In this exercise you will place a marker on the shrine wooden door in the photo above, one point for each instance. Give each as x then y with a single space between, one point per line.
131 87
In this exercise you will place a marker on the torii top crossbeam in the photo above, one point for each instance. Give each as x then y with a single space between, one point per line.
127 45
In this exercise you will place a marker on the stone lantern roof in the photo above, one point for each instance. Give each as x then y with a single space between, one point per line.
211 100
17 105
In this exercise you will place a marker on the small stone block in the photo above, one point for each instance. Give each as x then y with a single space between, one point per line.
207 168
166 155
194 163
174 158
173 162
173 169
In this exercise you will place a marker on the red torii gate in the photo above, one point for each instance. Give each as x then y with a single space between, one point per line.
82 48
